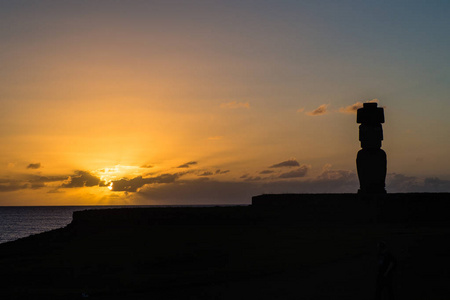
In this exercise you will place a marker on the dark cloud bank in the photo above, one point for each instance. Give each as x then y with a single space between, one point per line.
300 172
330 181
171 188
217 192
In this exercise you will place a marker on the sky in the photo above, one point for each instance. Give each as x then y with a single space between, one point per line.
213 102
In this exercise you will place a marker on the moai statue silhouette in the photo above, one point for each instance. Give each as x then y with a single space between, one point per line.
371 161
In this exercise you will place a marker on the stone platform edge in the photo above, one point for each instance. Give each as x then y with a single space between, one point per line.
396 207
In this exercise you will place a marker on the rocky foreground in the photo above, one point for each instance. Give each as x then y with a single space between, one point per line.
222 253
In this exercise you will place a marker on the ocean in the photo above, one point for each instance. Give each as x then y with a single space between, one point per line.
21 221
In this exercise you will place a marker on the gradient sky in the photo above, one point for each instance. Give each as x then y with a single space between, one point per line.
196 102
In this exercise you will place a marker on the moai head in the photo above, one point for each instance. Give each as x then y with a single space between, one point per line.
370 131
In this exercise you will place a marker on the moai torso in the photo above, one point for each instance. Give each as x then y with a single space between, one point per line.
371 161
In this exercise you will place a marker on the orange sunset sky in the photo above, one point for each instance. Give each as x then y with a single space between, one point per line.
207 102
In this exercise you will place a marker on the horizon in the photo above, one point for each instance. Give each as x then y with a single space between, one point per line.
157 103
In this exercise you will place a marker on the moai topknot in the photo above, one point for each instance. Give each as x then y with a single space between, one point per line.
371 161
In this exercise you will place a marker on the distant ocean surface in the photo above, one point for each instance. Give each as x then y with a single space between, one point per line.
21 221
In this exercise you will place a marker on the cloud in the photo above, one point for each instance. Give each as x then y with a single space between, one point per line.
222 172
82 179
44 179
208 191
351 109
399 183
321 110
234 104
187 165
337 175
434 184
200 192
211 173
301 110
132 185
36 185
266 172
300 172
287 163
12 186
27 181
241 192
34 166
207 173
146 166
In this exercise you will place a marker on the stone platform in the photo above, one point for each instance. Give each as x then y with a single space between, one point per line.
401 207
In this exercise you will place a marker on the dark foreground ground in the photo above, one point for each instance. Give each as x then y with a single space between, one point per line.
221 253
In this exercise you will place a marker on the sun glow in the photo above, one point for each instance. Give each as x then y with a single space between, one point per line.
110 174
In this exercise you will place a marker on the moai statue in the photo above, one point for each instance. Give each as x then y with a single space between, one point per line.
371 161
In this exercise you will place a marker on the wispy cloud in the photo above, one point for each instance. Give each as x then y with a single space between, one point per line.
38 178
352 109
12 185
287 163
146 166
34 166
206 173
321 110
222 172
266 172
234 104
211 173
187 165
